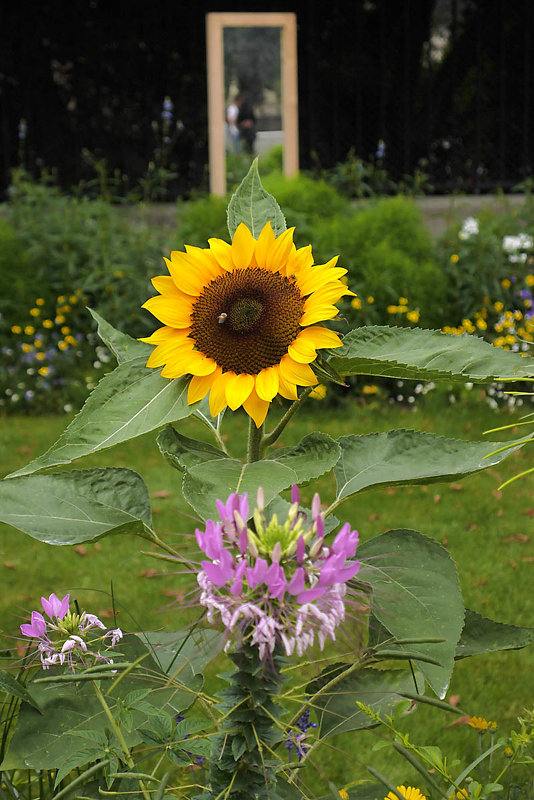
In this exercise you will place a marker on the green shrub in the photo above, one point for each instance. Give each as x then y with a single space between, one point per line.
200 219
16 291
388 254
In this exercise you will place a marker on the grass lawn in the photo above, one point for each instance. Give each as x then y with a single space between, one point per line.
488 533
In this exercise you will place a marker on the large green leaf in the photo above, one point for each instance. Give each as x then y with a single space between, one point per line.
416 595
123 347
181 652
313 456
127 402
254 206
482 635
46 741
402 456
12 686
426 355
205 483
182 452
336 709
77 506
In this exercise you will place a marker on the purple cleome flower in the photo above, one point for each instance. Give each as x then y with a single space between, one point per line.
68 638
278 583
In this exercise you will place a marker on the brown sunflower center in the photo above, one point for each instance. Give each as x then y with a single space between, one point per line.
245 320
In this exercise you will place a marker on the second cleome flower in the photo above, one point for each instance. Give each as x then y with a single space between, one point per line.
242 319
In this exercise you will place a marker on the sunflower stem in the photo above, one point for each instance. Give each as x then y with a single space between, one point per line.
272 437
255 440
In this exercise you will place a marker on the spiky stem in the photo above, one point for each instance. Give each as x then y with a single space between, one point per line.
242 766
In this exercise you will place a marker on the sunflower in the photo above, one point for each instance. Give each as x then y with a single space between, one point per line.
241 319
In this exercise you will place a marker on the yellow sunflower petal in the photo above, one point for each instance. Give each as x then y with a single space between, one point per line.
263 245
223 253
330 293
188 362
320 337
159 335
206 260
286 388
238 389
169 352
200 386
164 284
217 398
316 278
283 245
318 313
301 374
243 244
302 351
171 310
185 273
267 382
299 260
256 408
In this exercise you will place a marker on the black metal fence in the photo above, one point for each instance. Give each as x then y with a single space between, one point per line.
445 87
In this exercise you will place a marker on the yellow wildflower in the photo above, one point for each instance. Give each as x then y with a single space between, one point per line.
370 299
508 752
481 324
47 323
61 298
70 340
370 388
65 330
356 303
408 792
16 329
61 345
73 299
392 309
505 283
40 301
529 280
37 343
482 725
412 316
403 301
60 319
40 356
498 306
402 309
26 348
455 258
344 794
29 330
527 303
64 309
518 315
318 392
35 312
43 370
499 341
510 339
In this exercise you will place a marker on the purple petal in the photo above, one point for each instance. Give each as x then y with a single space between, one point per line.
215 574
295 494
296 584
36 628
316 506
256 574
310 594
301 549
63 607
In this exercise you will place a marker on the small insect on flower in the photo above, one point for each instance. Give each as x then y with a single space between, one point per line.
222 318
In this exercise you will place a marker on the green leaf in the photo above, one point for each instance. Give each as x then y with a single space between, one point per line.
206 482
10 684
182 452
414 353
316 454
254 206
77 506
187 651
482 635
402 456
416 595
123 347
79 759
47 741
337 711
127 402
